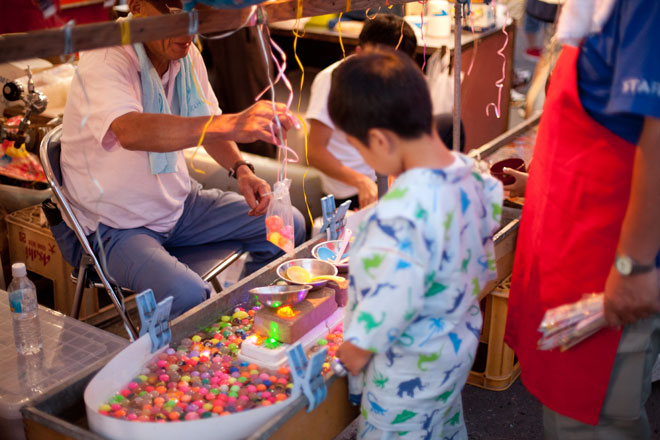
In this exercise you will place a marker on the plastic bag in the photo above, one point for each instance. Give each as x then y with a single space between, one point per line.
441 83
279 218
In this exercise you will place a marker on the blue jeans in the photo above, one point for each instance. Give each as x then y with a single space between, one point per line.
138 259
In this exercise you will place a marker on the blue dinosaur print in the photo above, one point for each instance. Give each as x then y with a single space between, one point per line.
452 437
456 341
483 262
448 372
387 230
465 201
446 258
391 356
475 331
406 246
440 173
375 407
392 334
368 427
408 387
427 424
437 325
464 228
457 300
402 264
366 292
428 418
430 244
420 318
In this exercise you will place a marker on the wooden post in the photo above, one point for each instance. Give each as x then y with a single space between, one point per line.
51 42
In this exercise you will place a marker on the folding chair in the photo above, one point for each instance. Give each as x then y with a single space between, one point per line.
206 260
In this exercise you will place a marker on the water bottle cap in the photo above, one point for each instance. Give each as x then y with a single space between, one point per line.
18 270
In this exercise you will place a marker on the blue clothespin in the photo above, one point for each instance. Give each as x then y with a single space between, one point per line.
334 220
308 374
154 318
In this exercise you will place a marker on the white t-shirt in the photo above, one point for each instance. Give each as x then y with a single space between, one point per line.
338 146
103 181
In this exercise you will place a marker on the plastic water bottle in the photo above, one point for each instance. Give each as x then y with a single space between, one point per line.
23 304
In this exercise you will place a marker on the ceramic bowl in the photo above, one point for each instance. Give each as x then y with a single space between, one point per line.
514 163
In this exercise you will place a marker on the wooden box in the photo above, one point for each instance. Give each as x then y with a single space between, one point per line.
496 366
31 242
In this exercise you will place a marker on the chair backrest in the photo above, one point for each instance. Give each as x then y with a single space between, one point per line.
50 153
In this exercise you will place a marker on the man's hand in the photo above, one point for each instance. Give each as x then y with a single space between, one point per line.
367 191
255 191
517 188
353 357
628 299
257 123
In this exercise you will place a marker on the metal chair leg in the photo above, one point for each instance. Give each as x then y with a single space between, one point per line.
80 288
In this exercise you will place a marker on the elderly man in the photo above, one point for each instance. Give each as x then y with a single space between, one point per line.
130 113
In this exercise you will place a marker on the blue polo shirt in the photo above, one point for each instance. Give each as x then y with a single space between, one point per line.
618 69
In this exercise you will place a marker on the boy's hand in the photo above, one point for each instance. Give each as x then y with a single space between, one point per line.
353 357
367 192
517 188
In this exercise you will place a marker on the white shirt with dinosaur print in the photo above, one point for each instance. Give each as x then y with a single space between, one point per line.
417 266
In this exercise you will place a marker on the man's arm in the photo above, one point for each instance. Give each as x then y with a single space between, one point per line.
321 158
252 187
164 133
628 299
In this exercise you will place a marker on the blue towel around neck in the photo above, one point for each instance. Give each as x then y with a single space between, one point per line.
186 101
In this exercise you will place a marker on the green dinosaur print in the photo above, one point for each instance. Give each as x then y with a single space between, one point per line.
372 263
410 312
421 213
396 193
446 395
424 358
364 412
369 322
454 420
380 379
402 433
374 350
429 278
466 261
497 211
403 416
447 222
476 289
435 289
478 177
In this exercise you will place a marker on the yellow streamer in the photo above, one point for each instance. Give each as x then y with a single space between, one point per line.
309 211
296 33
206 126
125 32
341 43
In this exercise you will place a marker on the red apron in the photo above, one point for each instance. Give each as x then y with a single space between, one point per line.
576 198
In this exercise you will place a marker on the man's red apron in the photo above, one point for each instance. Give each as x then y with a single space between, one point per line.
575 201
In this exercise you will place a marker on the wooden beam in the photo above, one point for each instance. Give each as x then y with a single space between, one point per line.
51 42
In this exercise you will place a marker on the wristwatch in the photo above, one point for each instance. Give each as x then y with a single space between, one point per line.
237 165
626 266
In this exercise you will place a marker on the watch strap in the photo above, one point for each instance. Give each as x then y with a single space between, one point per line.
237 165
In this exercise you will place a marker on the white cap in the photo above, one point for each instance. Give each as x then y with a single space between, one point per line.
18 270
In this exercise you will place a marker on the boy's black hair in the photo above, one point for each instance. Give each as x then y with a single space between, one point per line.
386 30
381 88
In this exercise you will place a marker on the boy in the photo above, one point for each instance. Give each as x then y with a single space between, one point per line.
344 173
419 262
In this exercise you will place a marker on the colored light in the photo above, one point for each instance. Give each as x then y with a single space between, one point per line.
286 312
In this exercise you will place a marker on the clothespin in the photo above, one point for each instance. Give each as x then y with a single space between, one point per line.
154 318
308 374
334 219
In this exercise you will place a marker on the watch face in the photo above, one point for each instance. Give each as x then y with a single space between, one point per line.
624 265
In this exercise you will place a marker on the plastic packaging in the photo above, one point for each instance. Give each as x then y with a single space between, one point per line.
279 218
23 305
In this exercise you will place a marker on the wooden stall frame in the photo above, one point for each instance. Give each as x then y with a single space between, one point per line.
52 42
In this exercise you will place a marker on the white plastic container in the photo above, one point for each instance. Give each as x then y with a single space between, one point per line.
128 364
